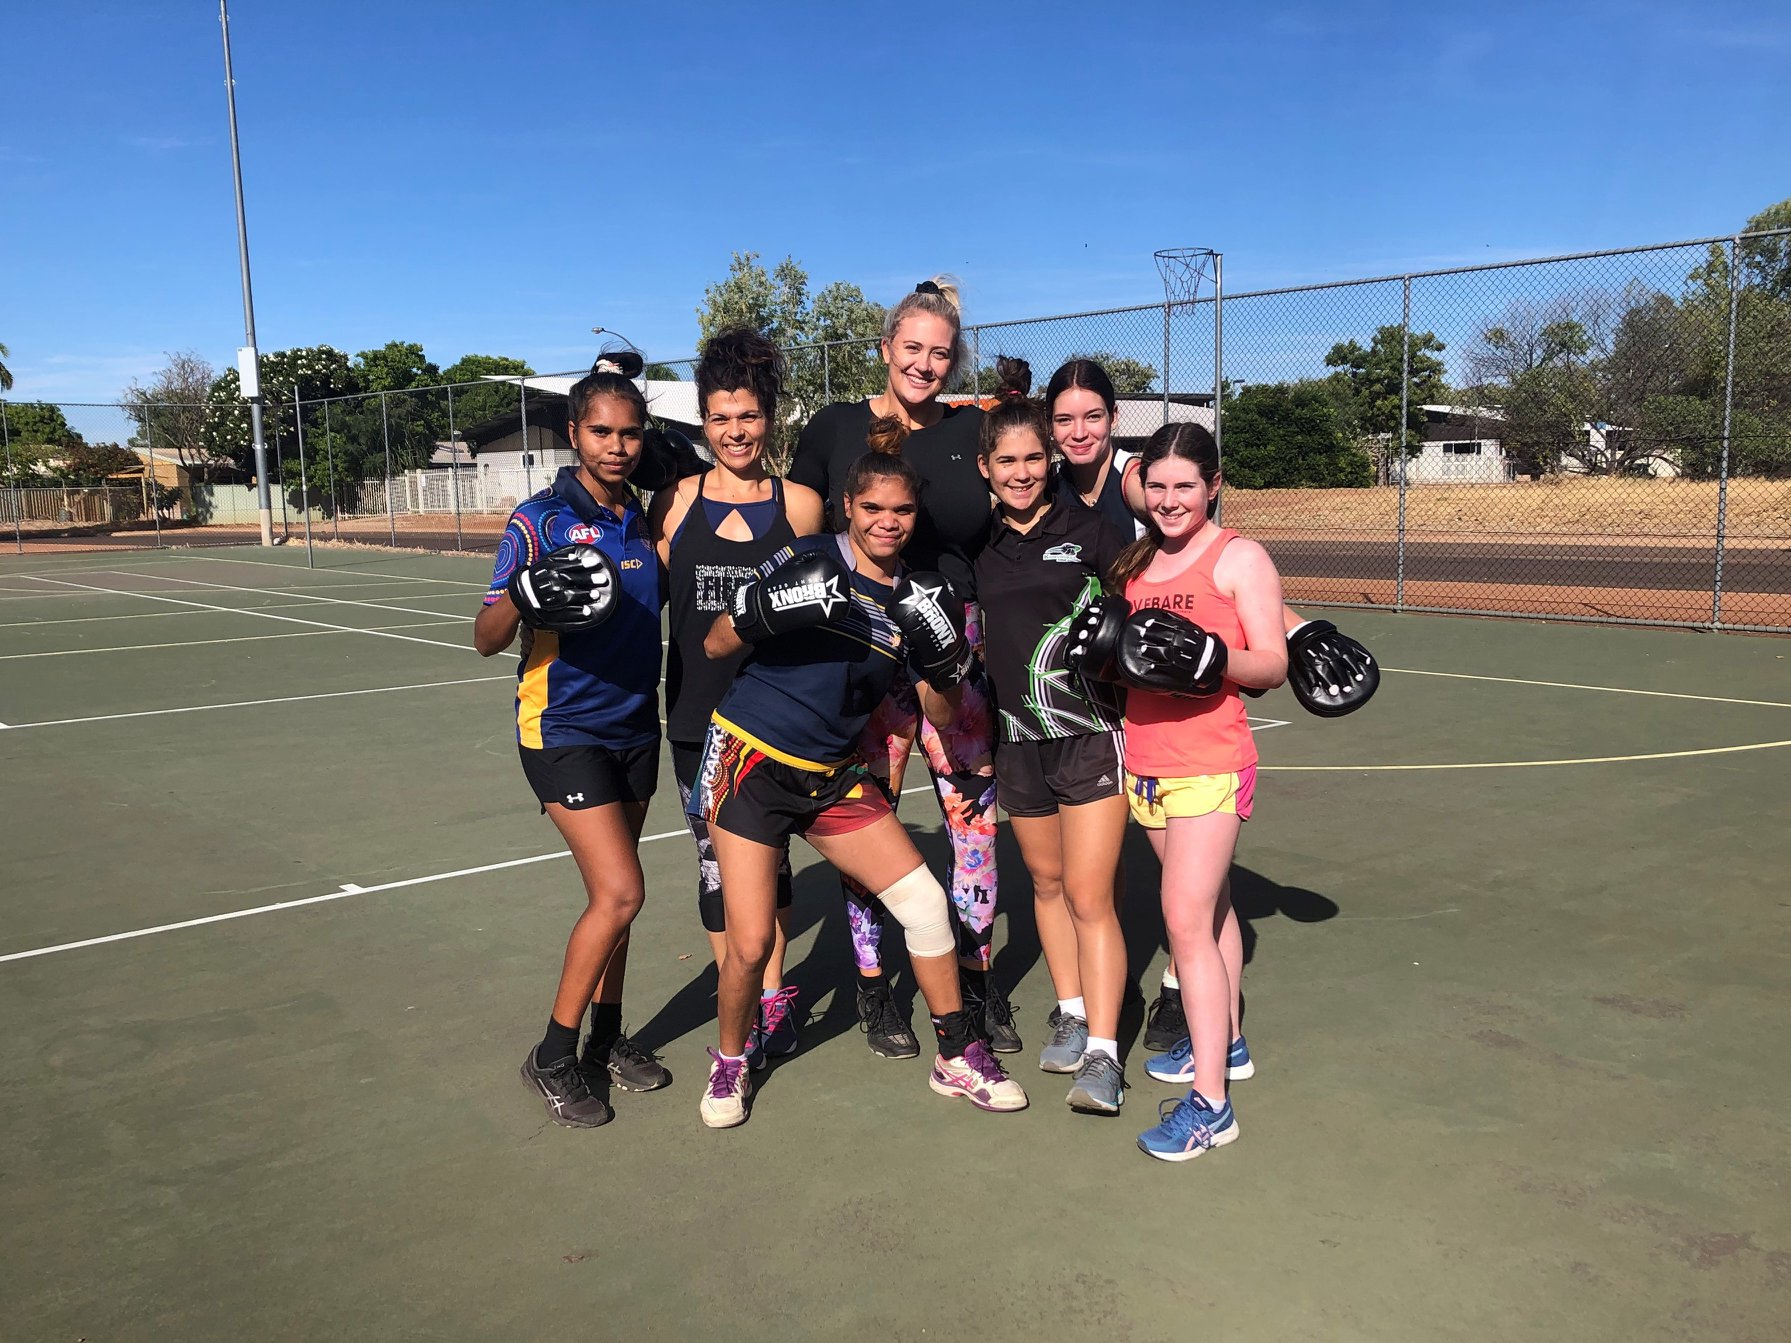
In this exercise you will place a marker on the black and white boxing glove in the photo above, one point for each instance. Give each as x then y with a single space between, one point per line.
804 591
1091 644
930 614
1330 672
1162 651
572 589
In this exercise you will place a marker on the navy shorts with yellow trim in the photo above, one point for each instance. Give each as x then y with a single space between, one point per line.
581 777
751 789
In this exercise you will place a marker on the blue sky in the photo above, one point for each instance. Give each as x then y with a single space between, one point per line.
500 178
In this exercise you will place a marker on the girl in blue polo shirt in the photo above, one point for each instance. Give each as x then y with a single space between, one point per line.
587 721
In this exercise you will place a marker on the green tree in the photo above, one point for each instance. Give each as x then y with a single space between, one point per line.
1374 377
315 372
487 400
39 423
5 372
778 304
1287 436
95 464
661 373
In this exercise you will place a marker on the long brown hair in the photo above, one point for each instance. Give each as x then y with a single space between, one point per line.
1191 443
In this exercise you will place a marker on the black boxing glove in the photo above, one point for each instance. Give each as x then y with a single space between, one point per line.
667 456
1162 651
804 591
930 614
1330 672
1091 644
572 589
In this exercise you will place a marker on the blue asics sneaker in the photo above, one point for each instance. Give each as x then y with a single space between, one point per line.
1178 1064
1188 1127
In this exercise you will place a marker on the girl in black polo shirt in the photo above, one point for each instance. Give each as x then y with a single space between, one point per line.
1059 757
922 345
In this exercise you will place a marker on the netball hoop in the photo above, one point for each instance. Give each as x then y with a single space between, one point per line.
1188 274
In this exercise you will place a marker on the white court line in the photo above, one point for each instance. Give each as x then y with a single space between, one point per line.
347 889
294 620
252 703
1525 764
166 615
309 597
1607 689
363 573
203 643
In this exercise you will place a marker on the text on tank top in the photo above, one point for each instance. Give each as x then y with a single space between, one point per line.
1168 737
705 569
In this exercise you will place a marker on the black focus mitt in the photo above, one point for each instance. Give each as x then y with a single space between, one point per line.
1162 651
572 589
1331 674
1091 647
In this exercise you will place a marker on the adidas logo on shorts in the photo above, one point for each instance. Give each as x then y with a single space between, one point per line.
1106 781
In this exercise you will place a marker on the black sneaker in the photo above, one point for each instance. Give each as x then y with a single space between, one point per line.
563 1088
989 1008
1167 1023
629 1066
885 1030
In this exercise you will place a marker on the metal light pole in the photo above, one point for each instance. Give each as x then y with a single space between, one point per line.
249 359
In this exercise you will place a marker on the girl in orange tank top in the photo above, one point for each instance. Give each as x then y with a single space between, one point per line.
1191 763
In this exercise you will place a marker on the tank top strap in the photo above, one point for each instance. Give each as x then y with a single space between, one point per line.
1205 565
777 492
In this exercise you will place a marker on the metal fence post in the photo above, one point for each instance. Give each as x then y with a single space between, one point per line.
1167 308
385 427
155 503
454 469
528 458
280 477
827 372
1218 375
298 423
329 462
1722 474
18 498
1405 389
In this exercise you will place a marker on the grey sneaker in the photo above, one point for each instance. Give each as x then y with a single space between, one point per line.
1100 1086
1063 1053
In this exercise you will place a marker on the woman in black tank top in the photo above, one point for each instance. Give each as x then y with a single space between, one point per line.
711 532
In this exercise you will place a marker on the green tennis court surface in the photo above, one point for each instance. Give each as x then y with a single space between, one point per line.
280 921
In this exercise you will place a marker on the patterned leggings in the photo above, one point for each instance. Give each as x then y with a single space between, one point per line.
961 761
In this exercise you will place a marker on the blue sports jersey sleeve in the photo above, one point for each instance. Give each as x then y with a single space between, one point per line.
519 547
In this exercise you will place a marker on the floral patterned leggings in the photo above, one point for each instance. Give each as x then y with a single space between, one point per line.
962 762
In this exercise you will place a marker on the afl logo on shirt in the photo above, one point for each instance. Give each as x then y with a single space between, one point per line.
582 534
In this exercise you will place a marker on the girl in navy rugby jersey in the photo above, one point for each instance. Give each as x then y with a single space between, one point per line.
827 624
587 717
1058 761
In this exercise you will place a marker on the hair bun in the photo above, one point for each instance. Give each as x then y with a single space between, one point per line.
622 363
1015 378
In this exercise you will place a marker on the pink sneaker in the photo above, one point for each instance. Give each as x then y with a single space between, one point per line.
979 1079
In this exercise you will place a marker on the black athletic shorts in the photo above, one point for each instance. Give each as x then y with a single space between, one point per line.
581 777
746 791
1035 778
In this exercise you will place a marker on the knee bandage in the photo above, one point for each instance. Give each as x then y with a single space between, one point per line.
918 903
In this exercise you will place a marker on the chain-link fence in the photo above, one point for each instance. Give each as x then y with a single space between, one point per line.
1604 436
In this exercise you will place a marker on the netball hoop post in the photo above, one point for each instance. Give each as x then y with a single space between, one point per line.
1186 273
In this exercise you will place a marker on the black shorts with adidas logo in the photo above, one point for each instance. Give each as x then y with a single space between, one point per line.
1035 778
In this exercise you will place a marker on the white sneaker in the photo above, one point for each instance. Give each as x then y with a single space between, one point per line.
724 1100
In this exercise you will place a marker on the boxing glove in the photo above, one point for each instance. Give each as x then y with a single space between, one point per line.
930 614
806 590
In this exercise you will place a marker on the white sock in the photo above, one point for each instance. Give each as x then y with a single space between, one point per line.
1072 1007
1171 982
1214 1105
1108 1047
730 1058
